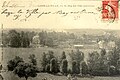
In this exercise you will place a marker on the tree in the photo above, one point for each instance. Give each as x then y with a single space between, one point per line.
63 56
64 66
112 70
25 70
44 61
98 64
75 68
49 56
72 55
47 68
17 39
13 63
25 41
114 56
33 59
43 36
49 42
22 69
118 66
113 59
84 68
79 56
93 62
54 66
14 38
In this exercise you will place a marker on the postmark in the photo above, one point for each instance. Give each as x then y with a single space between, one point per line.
110 10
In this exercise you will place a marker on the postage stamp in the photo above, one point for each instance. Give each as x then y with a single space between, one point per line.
110 10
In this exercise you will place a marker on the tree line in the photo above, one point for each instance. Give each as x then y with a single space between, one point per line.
97 64
15 38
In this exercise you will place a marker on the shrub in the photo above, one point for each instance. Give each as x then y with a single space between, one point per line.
25 70
75 68
49 56
63 56
54 68
47 68
13 63
33 59
64 66
44 61
84 68
112 70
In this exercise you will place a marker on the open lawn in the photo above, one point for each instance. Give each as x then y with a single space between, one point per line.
10 53
40 76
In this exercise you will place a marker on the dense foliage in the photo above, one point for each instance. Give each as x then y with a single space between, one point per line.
24 39
64 67
14 62
21 68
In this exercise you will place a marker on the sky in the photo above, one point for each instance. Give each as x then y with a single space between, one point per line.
57 21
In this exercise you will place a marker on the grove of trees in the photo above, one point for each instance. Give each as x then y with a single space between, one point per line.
101 63
21 68
16 38
97 64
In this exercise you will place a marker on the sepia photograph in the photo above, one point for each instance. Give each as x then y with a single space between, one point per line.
59 40
68 54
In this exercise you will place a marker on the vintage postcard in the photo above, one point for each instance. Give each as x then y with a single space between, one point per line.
59 40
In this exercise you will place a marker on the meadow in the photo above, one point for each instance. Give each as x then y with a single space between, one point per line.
10 53
41 76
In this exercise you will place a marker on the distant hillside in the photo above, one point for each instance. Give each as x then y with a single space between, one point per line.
75 31
92 31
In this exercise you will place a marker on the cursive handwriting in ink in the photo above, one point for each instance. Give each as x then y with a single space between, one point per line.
43 13
8 13
61 13
24 14
30 12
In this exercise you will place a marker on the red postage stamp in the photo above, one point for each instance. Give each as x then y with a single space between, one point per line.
110 10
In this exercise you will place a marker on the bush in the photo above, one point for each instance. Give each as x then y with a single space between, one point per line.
47 68
54 68
33 59
26 70
63 56
44 62
64 66
49 56
112 70
13 63
75 68
98 64
46 59
22 69
84 68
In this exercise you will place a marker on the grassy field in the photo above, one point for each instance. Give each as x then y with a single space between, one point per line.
10 53
40 76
